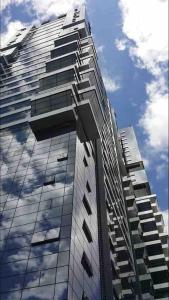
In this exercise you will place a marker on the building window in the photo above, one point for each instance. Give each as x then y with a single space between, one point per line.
50 103
56 79
85 162
64 50
140 191
87 265
67 39
88 187
144 206
93 154
87 206
46 236
62 158
60 63
86 149
87 232
49 180
135 167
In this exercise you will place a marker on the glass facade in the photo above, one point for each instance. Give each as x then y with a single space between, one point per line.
49 240
71 210
36 204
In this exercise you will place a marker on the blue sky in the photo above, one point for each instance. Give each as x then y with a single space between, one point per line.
132 50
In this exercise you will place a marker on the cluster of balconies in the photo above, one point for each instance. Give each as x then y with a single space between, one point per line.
122 265
66 96
150 243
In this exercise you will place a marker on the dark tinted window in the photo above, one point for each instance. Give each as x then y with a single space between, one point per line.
57 79
86 205
87 265
64 50
60 63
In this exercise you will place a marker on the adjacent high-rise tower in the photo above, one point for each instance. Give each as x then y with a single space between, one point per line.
78 221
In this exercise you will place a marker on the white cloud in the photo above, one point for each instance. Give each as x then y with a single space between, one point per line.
145 24
166 220
121 45
164 157
5 3
161 171
41 8
54 7
46 8
110 84
155 119
146 162
100 48
11 30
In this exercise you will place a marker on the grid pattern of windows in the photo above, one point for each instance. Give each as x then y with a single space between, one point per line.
84 250
36 218
64 50
65 206
14 117
14 106
31 62
66 39
43 205
52 102
57 79
60 63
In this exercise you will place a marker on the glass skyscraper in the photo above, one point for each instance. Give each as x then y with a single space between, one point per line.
78 221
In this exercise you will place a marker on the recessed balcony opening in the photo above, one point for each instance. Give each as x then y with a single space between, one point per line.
60 63
66 39
51 102
140 190
145 206
154 249
149 226
65 50
53 131
57 79
87 265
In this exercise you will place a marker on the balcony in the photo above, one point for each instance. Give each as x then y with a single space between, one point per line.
156 260
55 108
161 290
66 49
58 78
52 109
67 39
160 276
148 224
154 248
89 130
62 62
147 214
55 118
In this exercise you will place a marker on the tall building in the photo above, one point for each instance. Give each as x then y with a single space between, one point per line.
78 221
146 223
